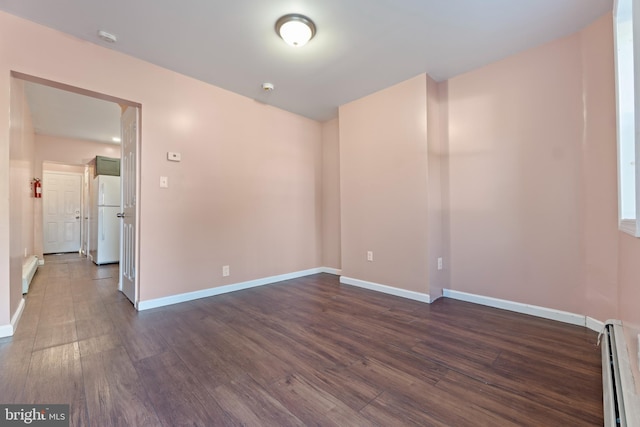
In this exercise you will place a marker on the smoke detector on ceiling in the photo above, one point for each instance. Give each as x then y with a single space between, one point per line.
267 87
107 37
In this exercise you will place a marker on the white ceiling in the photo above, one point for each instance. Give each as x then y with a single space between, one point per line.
361 46
60 113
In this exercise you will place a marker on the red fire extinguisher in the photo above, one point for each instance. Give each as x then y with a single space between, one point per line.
37 188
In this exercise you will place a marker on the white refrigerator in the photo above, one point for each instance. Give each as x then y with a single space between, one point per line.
104 224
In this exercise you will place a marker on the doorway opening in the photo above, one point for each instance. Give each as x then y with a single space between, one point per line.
68 134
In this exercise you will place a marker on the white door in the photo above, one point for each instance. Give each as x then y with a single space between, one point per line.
128 171
61 198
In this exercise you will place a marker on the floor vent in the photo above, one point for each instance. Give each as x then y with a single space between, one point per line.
621 403
28 270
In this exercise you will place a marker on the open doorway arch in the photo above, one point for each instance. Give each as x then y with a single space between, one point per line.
131 182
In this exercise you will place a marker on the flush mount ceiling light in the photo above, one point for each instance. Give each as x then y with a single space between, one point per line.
296 30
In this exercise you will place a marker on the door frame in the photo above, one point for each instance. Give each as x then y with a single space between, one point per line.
84 242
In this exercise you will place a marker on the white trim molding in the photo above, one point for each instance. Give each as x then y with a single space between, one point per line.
533 310
190 296
29 268
630 226
9 330
417 296
6 331
594 324
17 315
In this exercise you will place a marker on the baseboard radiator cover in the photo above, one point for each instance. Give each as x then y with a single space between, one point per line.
29 268
621 402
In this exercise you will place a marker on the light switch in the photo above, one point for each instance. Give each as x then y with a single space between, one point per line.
173 157
164 182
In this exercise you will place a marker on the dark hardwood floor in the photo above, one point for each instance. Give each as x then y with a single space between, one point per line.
308 351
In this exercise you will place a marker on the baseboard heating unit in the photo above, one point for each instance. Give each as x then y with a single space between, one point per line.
621 402
28 270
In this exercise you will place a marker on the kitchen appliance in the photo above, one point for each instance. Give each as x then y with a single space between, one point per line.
104 224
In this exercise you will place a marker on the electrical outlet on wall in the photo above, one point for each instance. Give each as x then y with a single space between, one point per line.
225 271
370 256
440 263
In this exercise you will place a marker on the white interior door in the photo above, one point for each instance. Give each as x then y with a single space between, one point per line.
128 237
61 198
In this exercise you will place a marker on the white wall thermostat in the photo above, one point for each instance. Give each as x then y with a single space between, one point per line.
173 157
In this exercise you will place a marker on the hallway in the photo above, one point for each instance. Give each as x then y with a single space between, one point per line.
68 312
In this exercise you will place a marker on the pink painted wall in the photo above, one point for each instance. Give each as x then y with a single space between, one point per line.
437 240
383 186
66 152
261 166
515 133
533 183
629 296
21 151
599 166
331 194
533 176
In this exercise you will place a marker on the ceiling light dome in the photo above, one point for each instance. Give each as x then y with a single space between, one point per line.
296 30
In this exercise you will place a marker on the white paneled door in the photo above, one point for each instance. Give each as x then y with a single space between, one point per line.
61 197
128 168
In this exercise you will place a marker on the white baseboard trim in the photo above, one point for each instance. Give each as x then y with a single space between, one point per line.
533 310
6 331
329 270
17 315
593 324
417 296
9 330
29 268
190 296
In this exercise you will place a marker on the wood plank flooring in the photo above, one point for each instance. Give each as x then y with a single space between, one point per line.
308 351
